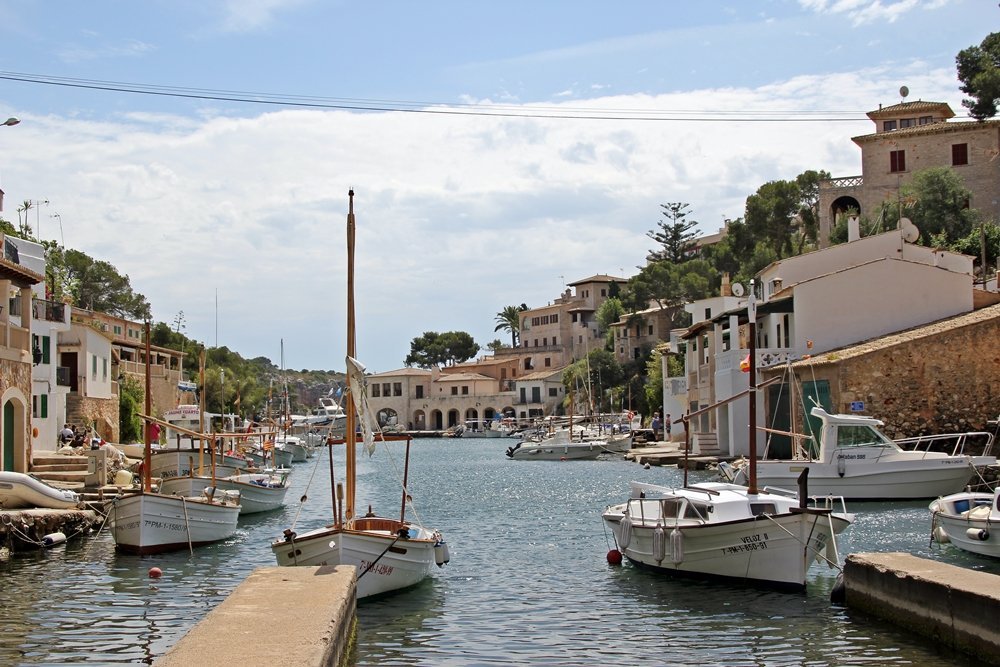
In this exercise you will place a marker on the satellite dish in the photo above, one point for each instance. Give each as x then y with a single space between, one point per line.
737 289
903 91
908 230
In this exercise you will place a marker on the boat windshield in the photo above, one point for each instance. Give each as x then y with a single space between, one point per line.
861 436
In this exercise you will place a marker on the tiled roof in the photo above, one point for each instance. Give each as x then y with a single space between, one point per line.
930 128
599 278
919 106
402 371
19 274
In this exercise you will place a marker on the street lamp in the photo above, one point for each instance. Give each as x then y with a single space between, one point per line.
11 121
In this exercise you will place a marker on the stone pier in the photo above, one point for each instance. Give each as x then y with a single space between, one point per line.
953 606
278 616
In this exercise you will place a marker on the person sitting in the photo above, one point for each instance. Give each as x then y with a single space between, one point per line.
66 434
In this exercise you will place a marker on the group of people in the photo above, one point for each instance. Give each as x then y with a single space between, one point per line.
661 427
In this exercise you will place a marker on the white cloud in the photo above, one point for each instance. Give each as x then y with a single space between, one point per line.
457 216
249 15
870 11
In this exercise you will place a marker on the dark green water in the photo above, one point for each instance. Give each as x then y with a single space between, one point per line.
528 582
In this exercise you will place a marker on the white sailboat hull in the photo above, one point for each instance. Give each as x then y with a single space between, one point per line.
403 563
149 523
259 492
181 462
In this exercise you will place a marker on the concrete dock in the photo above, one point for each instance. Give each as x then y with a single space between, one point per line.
294 616
954 606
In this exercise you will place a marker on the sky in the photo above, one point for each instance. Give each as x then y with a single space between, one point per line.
498 151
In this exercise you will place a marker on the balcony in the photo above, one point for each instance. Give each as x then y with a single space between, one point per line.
49 311
842 183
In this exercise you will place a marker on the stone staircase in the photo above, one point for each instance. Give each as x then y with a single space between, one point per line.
71 472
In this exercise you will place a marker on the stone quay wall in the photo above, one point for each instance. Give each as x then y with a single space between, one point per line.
953 606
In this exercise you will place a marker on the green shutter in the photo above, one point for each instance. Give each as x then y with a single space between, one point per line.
45 406
45 349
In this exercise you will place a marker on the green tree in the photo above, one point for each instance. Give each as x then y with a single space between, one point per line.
781 212
936 200
979 71
608 313
588 376
98 286
441 349
131 398
670 286
509 319
675 234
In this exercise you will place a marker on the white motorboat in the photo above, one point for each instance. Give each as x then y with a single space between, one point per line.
299 450
149 523
18 490
857 461
719 530
390 553
258 492
166 463
268 454
726 531
547 450
970 520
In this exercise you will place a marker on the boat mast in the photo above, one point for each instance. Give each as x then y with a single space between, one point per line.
752 334
350 438
147 456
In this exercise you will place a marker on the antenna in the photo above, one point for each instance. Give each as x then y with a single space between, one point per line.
737 289
904 91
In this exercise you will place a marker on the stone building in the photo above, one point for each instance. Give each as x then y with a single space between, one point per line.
909 137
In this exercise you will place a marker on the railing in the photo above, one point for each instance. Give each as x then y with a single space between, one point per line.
948 443
844 182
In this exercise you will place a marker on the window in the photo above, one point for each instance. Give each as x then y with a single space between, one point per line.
554 341
397 388
708 313
117 329
897 161
925 120
907 122
650 330
959 154
573 317
553 392
548 362
104 368
465 390
545 342
580 340
888 126
454 391
93 367
604 292
386 388
420 391
376 391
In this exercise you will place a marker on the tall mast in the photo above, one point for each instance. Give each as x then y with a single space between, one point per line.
350 437
147 460
752 332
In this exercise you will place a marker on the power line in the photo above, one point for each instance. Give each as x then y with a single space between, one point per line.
453 109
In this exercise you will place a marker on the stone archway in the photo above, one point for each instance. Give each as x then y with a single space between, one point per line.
472 419
453 417
841 205
419 421
437 420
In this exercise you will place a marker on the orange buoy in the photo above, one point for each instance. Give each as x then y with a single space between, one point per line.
155 573
615 557
34 432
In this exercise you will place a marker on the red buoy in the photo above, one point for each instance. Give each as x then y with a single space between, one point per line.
155 573
615 557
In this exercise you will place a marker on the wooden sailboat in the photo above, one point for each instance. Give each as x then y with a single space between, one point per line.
148 522
725 531
389 553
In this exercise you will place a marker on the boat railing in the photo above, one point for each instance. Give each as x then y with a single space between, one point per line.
949 443
831 503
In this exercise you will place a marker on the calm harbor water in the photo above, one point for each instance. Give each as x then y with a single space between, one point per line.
528 582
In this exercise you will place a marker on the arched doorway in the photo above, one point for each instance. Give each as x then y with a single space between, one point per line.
453 417
472 419
419 421
387 417
841 205
13 436
437 420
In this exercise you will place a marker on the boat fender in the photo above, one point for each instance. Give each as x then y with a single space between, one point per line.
625 530
980 534
659 543
839 593
676 546
52 539
941 535
441 553
841 466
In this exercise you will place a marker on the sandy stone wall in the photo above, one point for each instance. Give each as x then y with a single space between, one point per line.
102 412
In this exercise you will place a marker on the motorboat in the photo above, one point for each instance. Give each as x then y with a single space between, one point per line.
390 553
297 447
720 530
854 459
258 491
18 490
968 519
715 530
547 450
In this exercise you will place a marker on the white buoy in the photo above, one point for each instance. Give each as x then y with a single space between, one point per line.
659 543
941 535
676 546
980 534
626 532
53 539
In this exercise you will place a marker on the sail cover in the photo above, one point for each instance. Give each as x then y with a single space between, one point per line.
358 386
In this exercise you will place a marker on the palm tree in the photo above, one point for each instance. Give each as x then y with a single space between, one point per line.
509 319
